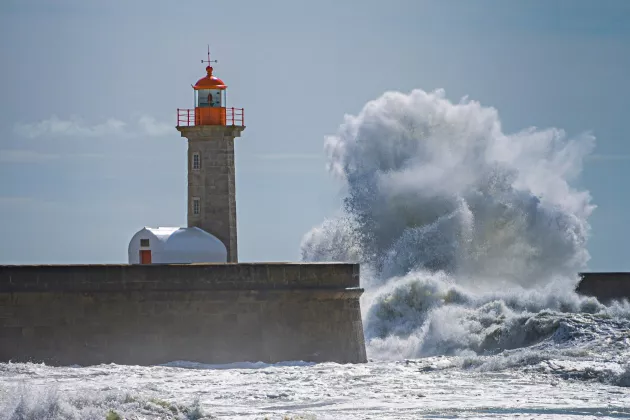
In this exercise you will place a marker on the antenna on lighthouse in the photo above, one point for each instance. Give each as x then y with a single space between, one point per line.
208 60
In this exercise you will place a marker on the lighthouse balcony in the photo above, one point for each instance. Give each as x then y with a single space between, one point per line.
211 116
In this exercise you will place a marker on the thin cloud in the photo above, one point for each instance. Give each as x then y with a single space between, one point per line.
22 202
76 127
289 156
33 156
152 127
25 156
12 200
281 169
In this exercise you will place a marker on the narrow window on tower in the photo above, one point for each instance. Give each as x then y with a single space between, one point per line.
196 206
196 163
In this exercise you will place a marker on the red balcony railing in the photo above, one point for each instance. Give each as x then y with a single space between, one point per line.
235 116
211 116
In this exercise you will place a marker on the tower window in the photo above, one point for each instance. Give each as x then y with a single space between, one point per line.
196 161
196 206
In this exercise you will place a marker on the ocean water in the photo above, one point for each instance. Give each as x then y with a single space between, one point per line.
470 241
433 387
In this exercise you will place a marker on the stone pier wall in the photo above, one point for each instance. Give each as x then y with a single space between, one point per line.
605 286
207 313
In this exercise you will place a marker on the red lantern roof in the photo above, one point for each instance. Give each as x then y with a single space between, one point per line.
209 82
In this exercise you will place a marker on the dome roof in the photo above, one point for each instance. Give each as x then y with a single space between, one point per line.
209 82
162 233
198 242
175 245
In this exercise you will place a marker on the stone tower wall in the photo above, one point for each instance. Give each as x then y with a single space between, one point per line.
213 184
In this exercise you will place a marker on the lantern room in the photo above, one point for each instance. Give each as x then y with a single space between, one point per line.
210 104
210 100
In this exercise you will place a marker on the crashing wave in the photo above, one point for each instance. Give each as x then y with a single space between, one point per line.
470 239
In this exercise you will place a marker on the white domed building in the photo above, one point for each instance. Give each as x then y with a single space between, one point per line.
175 245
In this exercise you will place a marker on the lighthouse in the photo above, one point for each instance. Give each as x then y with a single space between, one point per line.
210 128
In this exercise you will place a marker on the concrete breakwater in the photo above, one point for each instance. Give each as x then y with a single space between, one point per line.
207 313
605 286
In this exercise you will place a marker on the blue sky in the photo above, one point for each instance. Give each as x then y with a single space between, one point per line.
89 153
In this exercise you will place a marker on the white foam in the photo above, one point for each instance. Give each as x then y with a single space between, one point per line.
236 365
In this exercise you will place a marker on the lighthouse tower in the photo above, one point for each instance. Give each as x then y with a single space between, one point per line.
211 128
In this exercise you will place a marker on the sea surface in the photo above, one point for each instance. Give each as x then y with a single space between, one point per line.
434 387
470 242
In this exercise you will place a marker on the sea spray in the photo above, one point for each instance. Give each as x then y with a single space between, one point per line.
440 183
470 239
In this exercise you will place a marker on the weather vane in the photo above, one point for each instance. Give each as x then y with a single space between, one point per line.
208 60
